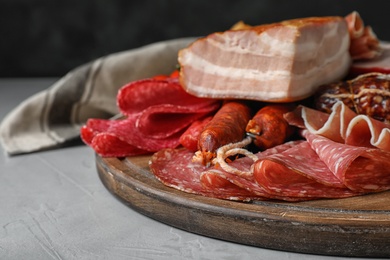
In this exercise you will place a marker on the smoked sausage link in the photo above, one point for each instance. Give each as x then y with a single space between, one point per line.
268 127
227 126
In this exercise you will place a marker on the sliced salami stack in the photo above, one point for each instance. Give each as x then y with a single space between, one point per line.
156 112
324 164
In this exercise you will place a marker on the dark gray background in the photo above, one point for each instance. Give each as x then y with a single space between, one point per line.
50 37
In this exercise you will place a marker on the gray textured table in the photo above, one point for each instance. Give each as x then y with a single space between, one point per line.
53 206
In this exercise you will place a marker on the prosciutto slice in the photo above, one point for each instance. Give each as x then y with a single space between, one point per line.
364 43
343 125
284 61
379 64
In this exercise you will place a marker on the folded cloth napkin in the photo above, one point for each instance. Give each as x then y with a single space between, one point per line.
54 116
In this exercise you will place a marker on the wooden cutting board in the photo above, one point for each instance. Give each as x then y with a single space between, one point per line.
358 226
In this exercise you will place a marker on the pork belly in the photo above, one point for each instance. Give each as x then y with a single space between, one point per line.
279 62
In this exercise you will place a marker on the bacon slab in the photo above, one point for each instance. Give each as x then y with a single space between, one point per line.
284 61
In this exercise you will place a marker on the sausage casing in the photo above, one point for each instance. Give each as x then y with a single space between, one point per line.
368 94
227 126
268 127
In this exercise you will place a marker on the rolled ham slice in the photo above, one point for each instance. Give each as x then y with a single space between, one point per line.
278 62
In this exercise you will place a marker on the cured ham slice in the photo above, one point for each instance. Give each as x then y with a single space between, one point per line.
284 61
343 125
379 64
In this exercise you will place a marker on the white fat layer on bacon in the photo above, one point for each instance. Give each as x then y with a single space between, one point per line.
302 84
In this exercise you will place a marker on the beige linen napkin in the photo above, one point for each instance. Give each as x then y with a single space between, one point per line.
54 116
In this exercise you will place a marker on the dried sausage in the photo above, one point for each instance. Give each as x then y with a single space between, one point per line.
227 126
268 126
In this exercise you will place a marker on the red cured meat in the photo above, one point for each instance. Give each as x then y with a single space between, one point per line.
189 139
361 169
95 134
164 120
87 134
127 131
174 168
298 172
109 145
380 64
142 94
342 125
126 135
157 112
366 131
217 177
92 128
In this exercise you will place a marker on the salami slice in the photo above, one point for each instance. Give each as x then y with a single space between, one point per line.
96 134
361 169
87 135
137 96
299 172
123 133
108 145
174 168
92 128
127 131
161 121
217 177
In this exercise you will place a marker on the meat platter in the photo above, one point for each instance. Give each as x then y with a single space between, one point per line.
357 226
310 175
